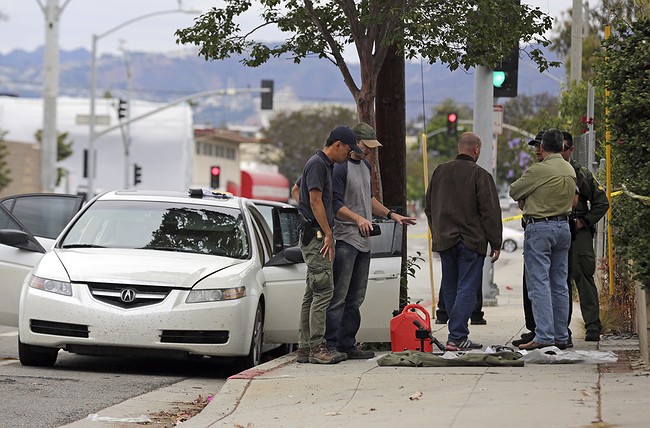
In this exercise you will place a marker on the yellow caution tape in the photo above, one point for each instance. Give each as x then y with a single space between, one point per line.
645 200
516 217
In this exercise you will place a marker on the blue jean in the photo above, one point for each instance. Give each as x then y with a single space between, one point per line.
546 257
343 318
462 274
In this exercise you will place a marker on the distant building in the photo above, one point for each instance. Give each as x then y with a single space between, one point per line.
236 154
23 160
162 144
172 154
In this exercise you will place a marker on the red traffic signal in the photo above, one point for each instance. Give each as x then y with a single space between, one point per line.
215 173
452 124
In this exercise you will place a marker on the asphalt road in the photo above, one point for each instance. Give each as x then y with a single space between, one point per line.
81 385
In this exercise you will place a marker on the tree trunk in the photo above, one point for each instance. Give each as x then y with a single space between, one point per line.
390 117
365 100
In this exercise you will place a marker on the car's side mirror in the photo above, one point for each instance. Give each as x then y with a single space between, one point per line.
293 254
18 239
288 256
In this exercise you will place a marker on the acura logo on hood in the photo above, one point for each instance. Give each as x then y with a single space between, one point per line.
127 295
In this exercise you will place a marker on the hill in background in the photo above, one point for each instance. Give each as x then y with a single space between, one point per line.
164 77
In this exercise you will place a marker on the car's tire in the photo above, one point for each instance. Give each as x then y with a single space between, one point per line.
254 357
509 245
39 356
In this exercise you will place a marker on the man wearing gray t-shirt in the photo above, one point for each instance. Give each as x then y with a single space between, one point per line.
354 206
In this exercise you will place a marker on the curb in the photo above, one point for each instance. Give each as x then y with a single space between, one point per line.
231 393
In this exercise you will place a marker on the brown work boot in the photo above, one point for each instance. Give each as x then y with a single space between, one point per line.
323 355
302 355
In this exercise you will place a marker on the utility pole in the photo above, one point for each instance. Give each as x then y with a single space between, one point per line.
52 13
576 41
483 107
126 129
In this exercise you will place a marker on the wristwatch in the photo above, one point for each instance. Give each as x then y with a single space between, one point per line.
390 213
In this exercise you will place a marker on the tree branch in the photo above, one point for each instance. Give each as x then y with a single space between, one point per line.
336 52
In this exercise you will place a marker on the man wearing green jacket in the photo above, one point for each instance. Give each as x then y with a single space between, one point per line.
547 188
592 206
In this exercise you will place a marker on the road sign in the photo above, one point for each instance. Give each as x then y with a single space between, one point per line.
497 120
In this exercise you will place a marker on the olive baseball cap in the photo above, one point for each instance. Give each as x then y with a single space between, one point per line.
367 134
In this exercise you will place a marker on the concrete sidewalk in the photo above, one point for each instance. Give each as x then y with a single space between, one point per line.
283 393
359 393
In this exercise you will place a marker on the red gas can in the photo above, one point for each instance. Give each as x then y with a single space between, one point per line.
402 329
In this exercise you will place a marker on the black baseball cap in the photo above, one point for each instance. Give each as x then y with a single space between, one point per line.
346 136
538 138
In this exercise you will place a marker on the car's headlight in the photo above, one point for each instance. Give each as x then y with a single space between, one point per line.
216 295
58 287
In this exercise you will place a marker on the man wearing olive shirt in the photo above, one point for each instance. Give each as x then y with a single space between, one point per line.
548 188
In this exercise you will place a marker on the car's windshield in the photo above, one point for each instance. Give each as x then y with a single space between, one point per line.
161 226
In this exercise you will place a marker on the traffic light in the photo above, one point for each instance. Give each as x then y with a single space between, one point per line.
215 173
452 124
137 174
505 76
122 105
267 96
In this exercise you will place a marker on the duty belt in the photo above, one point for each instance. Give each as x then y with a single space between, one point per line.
551 218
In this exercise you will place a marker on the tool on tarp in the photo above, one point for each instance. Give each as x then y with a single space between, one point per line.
422 333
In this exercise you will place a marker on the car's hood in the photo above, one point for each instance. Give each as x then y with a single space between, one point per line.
146 267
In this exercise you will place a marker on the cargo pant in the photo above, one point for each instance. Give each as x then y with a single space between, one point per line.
318 294
583 266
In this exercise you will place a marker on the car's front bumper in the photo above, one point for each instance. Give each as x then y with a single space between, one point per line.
74 322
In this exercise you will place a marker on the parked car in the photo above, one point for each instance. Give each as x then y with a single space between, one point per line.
512 239
507 203
29 225
137 272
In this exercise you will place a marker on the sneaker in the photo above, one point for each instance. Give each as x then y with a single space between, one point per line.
592 336
561 346
525 338
482 321
569 343
440 321
302 355
357 353
462 345
323 355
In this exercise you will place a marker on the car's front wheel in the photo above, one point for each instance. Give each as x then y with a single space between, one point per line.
254 357
40 356
509 245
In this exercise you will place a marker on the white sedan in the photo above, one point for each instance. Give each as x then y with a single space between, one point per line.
512 239
169 273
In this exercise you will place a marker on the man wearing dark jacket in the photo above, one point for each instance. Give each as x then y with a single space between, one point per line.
592 206
462 208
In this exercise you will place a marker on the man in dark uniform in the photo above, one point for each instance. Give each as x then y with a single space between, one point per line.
592 206
317 245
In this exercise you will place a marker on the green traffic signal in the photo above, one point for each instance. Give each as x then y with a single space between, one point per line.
498 78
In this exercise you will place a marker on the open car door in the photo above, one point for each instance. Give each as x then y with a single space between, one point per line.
285 287
29 225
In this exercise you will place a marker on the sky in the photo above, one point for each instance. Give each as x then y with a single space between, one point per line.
24 27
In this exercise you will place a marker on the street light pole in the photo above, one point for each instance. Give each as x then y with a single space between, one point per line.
93 88
52 12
